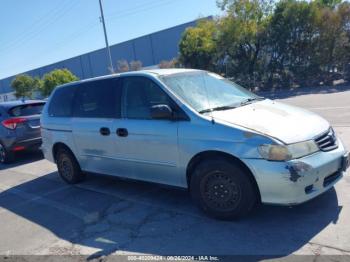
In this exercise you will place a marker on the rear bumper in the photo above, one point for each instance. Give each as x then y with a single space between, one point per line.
297 181
28 144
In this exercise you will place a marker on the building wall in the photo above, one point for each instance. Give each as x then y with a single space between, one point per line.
7 97
149 49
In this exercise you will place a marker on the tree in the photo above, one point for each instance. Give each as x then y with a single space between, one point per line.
55 78
24 85
308 41
135 65
242 38
333 48
273 44
292 39
122 65
328 3
173 63
198 46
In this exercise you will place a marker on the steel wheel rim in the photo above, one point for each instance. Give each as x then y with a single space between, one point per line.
65 168
2 154
220 191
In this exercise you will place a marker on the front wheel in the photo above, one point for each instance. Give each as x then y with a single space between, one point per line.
68 167
222 189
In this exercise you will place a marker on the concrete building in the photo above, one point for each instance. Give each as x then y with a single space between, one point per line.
149 49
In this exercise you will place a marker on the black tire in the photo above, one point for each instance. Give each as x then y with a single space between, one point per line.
223 189
6 156
68 167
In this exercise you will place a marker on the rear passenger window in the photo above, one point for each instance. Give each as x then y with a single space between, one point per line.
97 99
61 101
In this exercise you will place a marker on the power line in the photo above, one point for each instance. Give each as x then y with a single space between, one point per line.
58 45
45 24
34 33
34 23
93 24
85 29
131 9
140 9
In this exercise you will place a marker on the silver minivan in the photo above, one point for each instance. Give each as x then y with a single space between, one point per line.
192 129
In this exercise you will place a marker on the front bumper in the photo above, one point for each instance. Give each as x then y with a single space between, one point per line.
297 181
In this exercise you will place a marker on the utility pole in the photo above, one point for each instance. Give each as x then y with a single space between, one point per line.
106 39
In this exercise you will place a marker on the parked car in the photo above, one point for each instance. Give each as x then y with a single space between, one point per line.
196 130
20 127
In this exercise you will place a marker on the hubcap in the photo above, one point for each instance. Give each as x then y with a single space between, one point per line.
220 191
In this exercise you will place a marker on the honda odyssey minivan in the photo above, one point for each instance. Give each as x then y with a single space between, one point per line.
192 129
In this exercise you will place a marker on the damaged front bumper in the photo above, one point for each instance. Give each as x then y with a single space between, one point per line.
297 181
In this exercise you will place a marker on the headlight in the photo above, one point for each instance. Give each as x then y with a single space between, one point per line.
275 152
287 152
303 148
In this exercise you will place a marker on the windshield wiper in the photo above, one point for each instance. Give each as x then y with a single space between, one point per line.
250 100
219 108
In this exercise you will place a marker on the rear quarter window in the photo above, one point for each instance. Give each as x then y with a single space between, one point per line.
61 101
98 99
26 110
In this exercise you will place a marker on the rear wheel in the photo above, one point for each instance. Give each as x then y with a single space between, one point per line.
68 167
222 189
5 155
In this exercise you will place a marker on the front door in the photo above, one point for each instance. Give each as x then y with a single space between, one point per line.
147 147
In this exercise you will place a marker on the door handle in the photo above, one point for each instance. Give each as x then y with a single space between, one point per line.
123 132
105 131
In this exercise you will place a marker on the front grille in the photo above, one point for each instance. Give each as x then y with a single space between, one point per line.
327 141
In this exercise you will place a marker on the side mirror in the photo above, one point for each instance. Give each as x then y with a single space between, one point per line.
161 112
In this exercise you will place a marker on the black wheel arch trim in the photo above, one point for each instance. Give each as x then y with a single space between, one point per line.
59 145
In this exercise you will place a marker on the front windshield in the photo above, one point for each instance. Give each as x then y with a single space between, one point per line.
206 91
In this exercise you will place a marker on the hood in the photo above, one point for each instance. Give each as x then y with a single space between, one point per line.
286 123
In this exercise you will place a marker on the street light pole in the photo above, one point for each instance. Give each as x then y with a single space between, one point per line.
106 39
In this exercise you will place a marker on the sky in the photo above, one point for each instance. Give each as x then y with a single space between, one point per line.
36 33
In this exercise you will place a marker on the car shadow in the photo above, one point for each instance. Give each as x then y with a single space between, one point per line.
281 93
22 158
110 214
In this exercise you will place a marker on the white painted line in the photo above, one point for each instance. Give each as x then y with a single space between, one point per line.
329 107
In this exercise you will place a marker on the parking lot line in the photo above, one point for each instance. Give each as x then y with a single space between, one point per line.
329 107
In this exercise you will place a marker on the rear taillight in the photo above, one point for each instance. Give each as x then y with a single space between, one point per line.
13 122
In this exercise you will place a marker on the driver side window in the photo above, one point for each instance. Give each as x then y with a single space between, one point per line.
139 95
